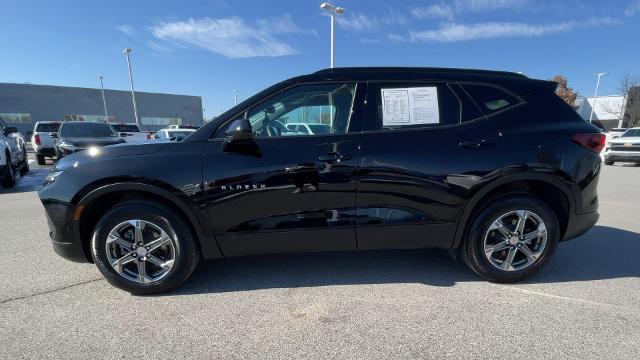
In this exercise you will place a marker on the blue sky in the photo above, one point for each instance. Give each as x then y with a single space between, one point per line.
211 47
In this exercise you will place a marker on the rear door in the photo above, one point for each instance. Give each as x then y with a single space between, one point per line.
425 149
288 191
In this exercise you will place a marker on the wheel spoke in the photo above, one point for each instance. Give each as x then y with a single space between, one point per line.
530 255
499 225
489 249
507 263
142 271
166 265
119 263
523 215
137 227
163 239
124 244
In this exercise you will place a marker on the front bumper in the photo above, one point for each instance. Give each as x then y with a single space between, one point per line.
64 237
623 156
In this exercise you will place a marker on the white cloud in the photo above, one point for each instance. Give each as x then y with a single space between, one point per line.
487 5
125 29
440 11
230 37
452 32
356 22
633 8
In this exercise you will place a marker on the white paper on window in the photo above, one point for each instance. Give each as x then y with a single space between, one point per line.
410 106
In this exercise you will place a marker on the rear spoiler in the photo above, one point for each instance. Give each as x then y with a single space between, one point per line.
532 87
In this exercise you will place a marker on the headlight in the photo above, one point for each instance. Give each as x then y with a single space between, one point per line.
67 146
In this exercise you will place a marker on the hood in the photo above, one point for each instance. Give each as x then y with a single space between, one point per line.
626 140
88 142
118 150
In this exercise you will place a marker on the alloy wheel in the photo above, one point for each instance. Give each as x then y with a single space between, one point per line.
140 251
515 240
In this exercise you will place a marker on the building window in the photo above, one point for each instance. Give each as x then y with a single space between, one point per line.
16 118
163 121
88 118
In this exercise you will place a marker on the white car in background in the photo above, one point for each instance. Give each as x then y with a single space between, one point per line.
309 129
172 134
13 154
131 133
616 133
42 143
626 148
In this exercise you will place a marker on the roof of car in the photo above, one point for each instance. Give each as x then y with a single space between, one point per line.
376 71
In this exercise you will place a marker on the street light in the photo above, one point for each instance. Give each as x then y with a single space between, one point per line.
104 102
126 53
235 96
595 98
332 10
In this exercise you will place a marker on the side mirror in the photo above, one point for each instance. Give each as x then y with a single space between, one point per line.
239 130
10 130
53 135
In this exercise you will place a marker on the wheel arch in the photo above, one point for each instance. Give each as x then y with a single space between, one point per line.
550 189
99 198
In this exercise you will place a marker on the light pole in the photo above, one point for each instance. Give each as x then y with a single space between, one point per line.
332 10
235 96
595 98
126 53
104 101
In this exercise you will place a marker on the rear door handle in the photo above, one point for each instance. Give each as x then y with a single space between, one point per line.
475 143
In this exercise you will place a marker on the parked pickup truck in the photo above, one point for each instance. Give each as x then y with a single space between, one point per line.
13 154
43 144
131 133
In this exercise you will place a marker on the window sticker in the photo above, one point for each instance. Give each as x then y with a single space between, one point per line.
410 106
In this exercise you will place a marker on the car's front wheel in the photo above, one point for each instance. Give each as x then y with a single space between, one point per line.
511 239
9 176
609 162
144 248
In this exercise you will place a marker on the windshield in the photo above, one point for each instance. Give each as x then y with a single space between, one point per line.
51 127
179 133
632 132
126 128
87 130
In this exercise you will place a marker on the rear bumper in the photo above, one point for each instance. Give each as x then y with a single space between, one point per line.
49 152
580 224
61 231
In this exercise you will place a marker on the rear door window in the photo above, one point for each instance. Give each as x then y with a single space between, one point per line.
490 99
47 128
411 105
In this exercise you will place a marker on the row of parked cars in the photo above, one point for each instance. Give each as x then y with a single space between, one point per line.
54 139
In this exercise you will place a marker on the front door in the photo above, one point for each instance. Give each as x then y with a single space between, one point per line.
288 190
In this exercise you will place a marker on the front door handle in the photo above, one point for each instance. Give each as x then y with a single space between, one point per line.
334 157
475 143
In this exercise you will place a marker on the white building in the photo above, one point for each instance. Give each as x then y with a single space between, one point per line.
608 109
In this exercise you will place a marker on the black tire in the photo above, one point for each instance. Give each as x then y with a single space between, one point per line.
9 176
24 164
187 252
473 248
609 162
41 160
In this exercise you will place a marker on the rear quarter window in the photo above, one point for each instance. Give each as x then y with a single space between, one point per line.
490 99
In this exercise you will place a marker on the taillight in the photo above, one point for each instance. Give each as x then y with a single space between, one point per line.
36 138
592 141
149 136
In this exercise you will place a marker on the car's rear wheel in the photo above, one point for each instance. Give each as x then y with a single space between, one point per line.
511 239
144 248
24 165
609 162
9 176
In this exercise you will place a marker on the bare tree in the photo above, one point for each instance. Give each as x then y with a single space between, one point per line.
564 91
629 109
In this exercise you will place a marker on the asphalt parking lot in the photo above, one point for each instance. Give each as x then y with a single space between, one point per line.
375 305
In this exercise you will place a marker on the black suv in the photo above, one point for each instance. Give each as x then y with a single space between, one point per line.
492 166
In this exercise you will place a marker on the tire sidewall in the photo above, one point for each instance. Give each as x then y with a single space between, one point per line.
474 246
186 254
